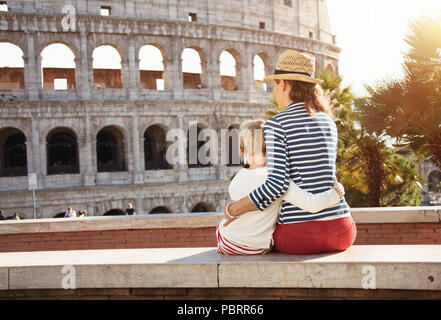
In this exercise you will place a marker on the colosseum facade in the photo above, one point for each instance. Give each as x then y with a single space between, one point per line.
94 137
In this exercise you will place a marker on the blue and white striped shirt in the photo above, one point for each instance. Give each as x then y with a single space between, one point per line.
302 148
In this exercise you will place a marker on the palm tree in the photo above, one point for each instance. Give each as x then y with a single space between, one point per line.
409 109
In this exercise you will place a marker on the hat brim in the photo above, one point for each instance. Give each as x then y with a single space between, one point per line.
292 76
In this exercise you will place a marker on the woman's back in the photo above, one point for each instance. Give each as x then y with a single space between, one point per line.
311 150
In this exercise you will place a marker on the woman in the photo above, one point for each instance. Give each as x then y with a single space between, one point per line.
252 234
301 143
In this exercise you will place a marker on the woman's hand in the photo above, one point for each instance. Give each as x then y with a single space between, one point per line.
337 188
229 219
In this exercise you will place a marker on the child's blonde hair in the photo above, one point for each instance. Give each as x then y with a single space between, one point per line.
252 139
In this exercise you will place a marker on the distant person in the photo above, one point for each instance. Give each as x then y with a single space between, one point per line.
70 213
16 216
130 210
82 213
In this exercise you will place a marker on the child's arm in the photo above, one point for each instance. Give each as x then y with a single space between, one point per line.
309 201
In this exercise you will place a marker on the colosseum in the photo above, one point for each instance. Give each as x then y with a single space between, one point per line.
94 136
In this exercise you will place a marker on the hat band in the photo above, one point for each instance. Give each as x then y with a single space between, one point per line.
291 72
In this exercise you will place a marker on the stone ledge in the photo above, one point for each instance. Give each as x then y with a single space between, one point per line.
412 267
200 220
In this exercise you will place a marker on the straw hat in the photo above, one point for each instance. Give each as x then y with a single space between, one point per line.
293 65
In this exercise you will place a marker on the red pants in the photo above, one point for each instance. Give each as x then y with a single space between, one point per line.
315 236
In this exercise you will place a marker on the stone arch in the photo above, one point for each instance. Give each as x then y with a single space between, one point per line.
62 151
107 74
152 70
19 41
235 50
58 66
193 65
260 70
11 66
155 148
159 210
53 39
59 215
114 212
13 156
202 206
111 150
434 181
228 70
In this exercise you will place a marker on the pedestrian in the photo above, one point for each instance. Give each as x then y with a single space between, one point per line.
130 210
70 213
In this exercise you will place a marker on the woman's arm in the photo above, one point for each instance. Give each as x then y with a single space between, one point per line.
277 181
309 201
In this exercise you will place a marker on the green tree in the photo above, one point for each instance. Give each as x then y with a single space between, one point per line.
409 109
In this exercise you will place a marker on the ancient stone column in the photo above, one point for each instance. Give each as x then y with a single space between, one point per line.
137 176
32 69
87 151
35 145
182 168
247 70
139 205
84 70
29 156
173 74
90 209
131 70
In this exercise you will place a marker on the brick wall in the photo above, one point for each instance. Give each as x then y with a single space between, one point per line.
398 233
367 234
217 294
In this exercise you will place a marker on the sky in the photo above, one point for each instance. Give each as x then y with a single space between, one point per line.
371 35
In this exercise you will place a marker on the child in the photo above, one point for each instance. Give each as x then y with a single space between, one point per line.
252 232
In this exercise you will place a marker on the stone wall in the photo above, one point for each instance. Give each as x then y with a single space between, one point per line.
278 15
379 226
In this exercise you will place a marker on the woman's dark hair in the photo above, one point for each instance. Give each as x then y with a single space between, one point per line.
309 93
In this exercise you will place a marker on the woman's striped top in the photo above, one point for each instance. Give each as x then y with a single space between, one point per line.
302 148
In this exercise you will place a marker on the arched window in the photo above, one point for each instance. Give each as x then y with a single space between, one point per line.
107 68
114 212
110 150
151 66
202 207
434 181
13 158
160 209
196 140
259 72
155 148
228 70
191 69
11 67
62 152
58 67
